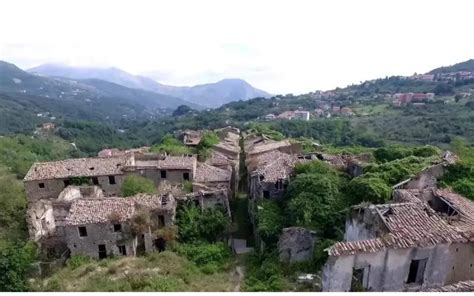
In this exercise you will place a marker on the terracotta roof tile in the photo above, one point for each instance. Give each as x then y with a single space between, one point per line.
274 165
207 173
415 224
79 167
465 286
103 210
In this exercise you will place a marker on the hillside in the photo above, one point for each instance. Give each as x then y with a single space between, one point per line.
27 100
464 66
159 272
209 95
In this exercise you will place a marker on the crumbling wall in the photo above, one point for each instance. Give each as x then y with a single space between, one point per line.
388 269
258 189
40 216
362 224
100 234
296 244
427 178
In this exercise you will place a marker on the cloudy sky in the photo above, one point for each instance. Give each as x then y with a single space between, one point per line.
280 46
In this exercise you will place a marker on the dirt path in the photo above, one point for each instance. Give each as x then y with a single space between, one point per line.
239 277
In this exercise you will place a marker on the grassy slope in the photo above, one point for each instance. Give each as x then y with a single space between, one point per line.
164 271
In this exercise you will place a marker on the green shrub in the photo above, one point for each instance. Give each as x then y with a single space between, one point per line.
15 261
368 189
77 261
133 185
195 225
205 253
264 273
187 186
270 221
464 187
172 146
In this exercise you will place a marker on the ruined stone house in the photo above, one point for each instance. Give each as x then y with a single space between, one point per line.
423 240
213 177
226 155
100 228
46 180
191 137
158 168
296 244
269 174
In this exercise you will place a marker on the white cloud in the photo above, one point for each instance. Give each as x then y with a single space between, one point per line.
280 46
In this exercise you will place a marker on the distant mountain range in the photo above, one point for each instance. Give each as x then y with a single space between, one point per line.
27 99
210 95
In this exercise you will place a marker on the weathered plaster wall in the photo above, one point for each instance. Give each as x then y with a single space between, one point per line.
98 234
388 269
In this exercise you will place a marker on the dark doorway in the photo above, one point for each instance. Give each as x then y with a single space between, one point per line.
161 221
102 252
122 250
266 194
160 244
141 244
417 271
95 180
186 176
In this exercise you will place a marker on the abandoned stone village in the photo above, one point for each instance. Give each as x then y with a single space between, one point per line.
422 240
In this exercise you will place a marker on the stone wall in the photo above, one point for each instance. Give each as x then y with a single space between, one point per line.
52 188
388 269
257 189
100 234
296 244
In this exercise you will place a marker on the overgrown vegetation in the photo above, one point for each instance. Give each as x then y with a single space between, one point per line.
196 225
155 272
134 184
171 146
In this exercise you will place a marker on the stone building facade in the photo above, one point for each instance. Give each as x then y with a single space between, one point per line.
423 240
105 227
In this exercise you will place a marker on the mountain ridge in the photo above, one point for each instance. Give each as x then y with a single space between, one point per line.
209 94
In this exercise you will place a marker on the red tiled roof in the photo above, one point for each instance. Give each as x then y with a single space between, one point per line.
416 224
78 167
465 286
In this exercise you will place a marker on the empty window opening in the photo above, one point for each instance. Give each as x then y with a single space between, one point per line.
122 250
261 178
186 176
67 183
417 271
163 174
82 231
112 180
359 279
160 244
266 194
91 168
117 227
102 252
442 206
161 221
41 185
279 185
95 180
